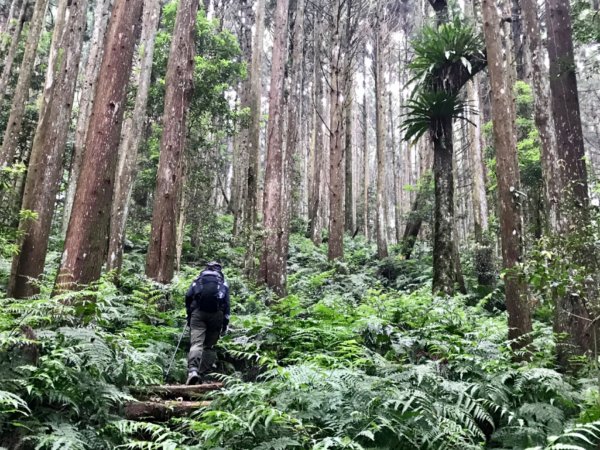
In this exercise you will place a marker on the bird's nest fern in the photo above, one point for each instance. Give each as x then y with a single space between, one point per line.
446 57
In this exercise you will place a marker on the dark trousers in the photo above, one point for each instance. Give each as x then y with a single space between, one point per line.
205 332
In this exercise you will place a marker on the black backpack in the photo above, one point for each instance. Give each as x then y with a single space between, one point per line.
209 291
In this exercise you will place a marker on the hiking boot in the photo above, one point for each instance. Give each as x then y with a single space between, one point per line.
193 378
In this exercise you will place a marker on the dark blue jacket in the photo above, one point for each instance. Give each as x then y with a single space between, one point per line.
195 289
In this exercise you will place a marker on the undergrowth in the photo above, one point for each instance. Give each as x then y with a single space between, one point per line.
359 355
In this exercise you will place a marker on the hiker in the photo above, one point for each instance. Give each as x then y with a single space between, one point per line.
207 306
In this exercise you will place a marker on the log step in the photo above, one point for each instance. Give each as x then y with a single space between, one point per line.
175 391
161 411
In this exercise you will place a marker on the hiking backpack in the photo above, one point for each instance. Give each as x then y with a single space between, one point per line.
209 291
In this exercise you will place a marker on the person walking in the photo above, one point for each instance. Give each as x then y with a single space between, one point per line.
208 311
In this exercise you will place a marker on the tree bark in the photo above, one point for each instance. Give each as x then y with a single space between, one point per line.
365 136
251 205
503 111
45 167
14 125
315 206
86 242
131 137
336 137
88 88
9 58
160 260
394 173
294 121
572 316
350 199
443 233
272 268
565 109
379 68
241 145
543 112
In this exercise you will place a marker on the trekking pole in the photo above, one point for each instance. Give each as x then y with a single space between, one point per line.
175 352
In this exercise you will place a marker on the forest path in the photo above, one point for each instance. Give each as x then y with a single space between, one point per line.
160 403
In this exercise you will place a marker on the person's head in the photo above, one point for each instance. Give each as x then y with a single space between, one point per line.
214 265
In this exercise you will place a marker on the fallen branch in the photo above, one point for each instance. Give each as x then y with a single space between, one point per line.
161 411
175 390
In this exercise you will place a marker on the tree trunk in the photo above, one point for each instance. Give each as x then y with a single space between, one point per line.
241 142
46 163
180 225
565 109
543 115
88 89
379 67
9 58
14 125
251 205
480 215
294 122
365 136
272 268
395 196
160 260
336 138
350 201
572 316
443 233
86 242
131 137
503 110
315 206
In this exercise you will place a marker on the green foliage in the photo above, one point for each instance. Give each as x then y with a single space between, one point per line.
436 47
586 22
430 107
346 360
440 54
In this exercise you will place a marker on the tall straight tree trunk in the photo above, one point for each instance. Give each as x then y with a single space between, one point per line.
88 88
272 268
46 163
480 213
9 58
86 242
543 112
350 200
131 137
160 260
336 138
240 145
365 136
251 204
395 194
294 121
572 314
379 67
315 206
565 106
505 143
14 125
443 247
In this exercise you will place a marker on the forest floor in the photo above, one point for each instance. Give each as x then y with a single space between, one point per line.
359 355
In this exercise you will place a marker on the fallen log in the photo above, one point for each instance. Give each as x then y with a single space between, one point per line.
161 411
175 391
